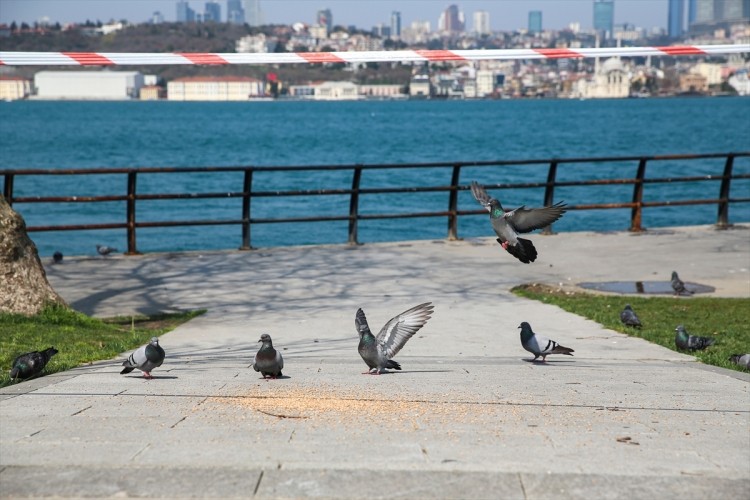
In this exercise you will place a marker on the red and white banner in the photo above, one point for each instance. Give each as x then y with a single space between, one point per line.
414 56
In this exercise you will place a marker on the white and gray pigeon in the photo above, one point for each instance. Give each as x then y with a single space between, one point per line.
378 351
105 250
629 317
268 361
683 340
742 360
679 286
539 345
145 358
507 225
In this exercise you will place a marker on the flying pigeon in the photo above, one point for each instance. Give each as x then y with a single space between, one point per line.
507 225
742 360
629 317
145 358
679 286
31 364
104 250
268 361
688 342
377 352
57 257
540 346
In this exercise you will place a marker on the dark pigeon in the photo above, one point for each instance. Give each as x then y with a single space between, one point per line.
683 340
268 361
679 286
104 250
507 225
742 360
377 352
57 257
31 364
539 345
629 317
145 358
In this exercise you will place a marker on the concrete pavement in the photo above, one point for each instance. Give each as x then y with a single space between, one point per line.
467 417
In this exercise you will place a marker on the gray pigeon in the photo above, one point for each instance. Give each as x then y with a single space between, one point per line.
683 340
31 364
104 250
629 317
507 225
145 358
268 361
742 360
540 346
679 286
378 351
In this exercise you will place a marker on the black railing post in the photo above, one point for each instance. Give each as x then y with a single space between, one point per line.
247 188
8 189
549 191
354 206
453 204
722 220
636 214
132 178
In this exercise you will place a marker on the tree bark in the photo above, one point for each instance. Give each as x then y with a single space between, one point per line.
24 288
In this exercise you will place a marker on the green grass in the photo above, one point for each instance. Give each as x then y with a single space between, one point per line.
726 320
79 338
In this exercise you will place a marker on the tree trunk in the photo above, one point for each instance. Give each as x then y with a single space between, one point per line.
24 288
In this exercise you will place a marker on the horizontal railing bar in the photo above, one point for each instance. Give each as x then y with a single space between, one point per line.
67 199
77 227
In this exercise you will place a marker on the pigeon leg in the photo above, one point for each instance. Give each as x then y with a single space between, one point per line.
504 244
147 376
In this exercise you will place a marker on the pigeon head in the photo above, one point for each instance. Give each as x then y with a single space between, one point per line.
627 306
154 341
51 351
265 338
526 331
674 275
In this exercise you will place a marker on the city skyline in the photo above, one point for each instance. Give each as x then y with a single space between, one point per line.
505 15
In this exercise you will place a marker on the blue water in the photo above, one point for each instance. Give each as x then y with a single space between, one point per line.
59 135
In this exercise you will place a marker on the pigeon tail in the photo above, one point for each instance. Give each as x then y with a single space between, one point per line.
561 350
393 365
127 369
15 372
524 250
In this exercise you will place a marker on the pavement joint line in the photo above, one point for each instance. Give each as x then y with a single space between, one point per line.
260 478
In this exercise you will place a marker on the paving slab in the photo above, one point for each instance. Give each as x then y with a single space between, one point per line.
468 416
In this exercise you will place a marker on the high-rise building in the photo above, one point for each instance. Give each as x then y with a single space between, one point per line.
535 21
712 14
395 24
235 12
451 20
325 18
157 18
482 22
604 15
253 14
676 18
212 12
691 11
184 13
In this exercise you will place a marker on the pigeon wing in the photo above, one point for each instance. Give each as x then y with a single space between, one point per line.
137 359
360 322
279 360
401 328
480 194
525 220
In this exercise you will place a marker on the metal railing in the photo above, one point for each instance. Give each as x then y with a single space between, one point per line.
131 197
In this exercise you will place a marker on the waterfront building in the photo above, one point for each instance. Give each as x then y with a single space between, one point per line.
676 18
325 18
740 81
691 12
212 12
711 15
535 22
604 15
214 88
693 83
482 22
253 14
152 93
326 91
610 81
381 91
184 13
13 88
395 24
420 86
235 12
88 85
711 72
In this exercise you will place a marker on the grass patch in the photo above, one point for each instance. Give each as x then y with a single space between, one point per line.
79 338
726 320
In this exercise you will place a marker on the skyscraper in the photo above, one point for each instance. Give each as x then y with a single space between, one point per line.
253 14
535 21
396 24
184 13
325 18
482 22
675 18
451 20
604 15
235 12
691 11
212 12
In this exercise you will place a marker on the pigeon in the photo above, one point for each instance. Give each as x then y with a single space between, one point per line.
57 257
679 286
31 364
377 352
145 358
104 250
268 361
742 360
683 340
507 225
629 317
540 346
